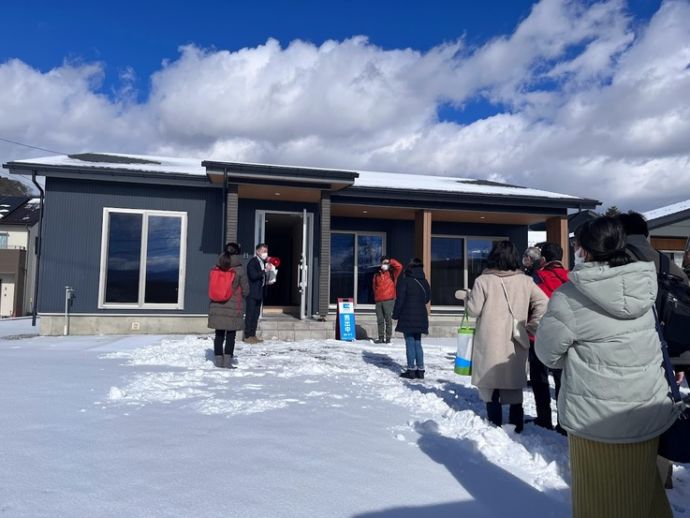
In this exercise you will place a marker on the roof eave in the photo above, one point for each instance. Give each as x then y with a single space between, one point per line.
26 168
669 219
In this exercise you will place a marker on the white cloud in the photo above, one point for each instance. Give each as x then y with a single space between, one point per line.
595 105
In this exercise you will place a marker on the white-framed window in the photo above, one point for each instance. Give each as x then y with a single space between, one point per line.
143 259
355 258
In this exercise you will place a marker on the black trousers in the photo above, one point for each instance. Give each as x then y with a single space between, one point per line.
539 379
251 317
224 336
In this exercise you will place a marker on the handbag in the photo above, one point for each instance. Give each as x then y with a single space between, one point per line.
519 333
463 355
674 443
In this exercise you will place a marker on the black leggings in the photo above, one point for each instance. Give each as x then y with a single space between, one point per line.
224 336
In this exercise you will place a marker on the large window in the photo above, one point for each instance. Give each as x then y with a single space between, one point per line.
143 259
447 269
477 254
456 262
355 257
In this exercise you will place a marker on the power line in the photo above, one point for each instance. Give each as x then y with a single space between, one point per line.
32 147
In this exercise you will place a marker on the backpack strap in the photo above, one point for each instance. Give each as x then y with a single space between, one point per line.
664 264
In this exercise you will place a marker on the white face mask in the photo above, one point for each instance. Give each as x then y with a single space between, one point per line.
264 255
384 267
579 256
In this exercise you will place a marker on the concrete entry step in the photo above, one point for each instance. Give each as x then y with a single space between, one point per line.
291 329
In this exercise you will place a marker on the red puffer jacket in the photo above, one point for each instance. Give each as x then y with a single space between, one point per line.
384 282
550 277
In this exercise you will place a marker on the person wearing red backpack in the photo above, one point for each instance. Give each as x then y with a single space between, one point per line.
227 316
549 275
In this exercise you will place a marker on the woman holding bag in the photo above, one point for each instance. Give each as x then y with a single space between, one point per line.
507 303
600 329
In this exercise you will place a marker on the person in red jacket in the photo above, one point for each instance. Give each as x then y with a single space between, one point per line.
549 276
384 296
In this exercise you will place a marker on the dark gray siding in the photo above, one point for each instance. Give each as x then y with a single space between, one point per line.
72 238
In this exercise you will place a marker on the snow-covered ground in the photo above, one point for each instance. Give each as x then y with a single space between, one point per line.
145 426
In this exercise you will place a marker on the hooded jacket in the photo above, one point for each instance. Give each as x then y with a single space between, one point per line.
600 329
414 293
550 277
498 362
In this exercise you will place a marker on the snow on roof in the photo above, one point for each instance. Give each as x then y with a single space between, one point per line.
366 179
668 210
143 163
419 182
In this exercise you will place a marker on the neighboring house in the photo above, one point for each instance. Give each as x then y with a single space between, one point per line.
669 229
135 236
18 229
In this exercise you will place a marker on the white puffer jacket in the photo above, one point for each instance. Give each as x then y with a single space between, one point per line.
600 329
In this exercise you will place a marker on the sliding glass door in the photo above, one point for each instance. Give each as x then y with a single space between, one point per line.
355 257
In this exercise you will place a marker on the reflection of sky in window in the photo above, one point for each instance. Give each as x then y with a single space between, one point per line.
446 249
163 246
124 254
342 252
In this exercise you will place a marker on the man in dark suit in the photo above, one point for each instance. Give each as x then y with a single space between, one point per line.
256 273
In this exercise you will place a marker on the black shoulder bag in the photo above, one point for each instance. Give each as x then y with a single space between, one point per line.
674 443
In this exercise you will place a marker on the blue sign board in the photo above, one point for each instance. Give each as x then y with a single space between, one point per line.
346 319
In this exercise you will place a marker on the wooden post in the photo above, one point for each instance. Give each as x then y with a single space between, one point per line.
231 213
325 256
557 232
422 239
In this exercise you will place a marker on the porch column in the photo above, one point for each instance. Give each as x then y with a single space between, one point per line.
557 232
231 213
422 240
325 256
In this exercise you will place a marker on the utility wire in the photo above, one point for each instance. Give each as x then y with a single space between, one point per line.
32 147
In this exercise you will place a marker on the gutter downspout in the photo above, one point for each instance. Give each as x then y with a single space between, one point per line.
38 247
225 209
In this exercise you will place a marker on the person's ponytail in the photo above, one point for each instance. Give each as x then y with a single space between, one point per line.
619 258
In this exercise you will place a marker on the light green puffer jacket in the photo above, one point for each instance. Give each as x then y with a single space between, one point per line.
599 328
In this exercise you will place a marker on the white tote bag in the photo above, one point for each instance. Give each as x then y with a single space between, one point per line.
520 334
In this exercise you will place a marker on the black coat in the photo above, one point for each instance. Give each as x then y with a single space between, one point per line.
257 278
412 295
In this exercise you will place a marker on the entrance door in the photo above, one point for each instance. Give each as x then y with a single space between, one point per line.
7 297
289 236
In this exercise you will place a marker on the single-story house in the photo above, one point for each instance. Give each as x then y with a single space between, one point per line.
135 236
669 230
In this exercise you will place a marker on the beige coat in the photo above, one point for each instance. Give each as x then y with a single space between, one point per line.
498 362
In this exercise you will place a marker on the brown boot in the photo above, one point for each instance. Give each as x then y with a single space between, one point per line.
251 340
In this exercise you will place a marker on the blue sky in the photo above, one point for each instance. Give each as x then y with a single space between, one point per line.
141 35
583 97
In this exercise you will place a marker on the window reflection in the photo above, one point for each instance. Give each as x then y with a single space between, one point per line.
477 254
342 266
124 258
369 252
163 259
447 269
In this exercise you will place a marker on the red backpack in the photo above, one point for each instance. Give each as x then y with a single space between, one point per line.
220 284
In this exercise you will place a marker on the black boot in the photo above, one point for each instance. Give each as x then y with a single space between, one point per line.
420 374
409 374
542 400
218 361
380 340
516 416
494 413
